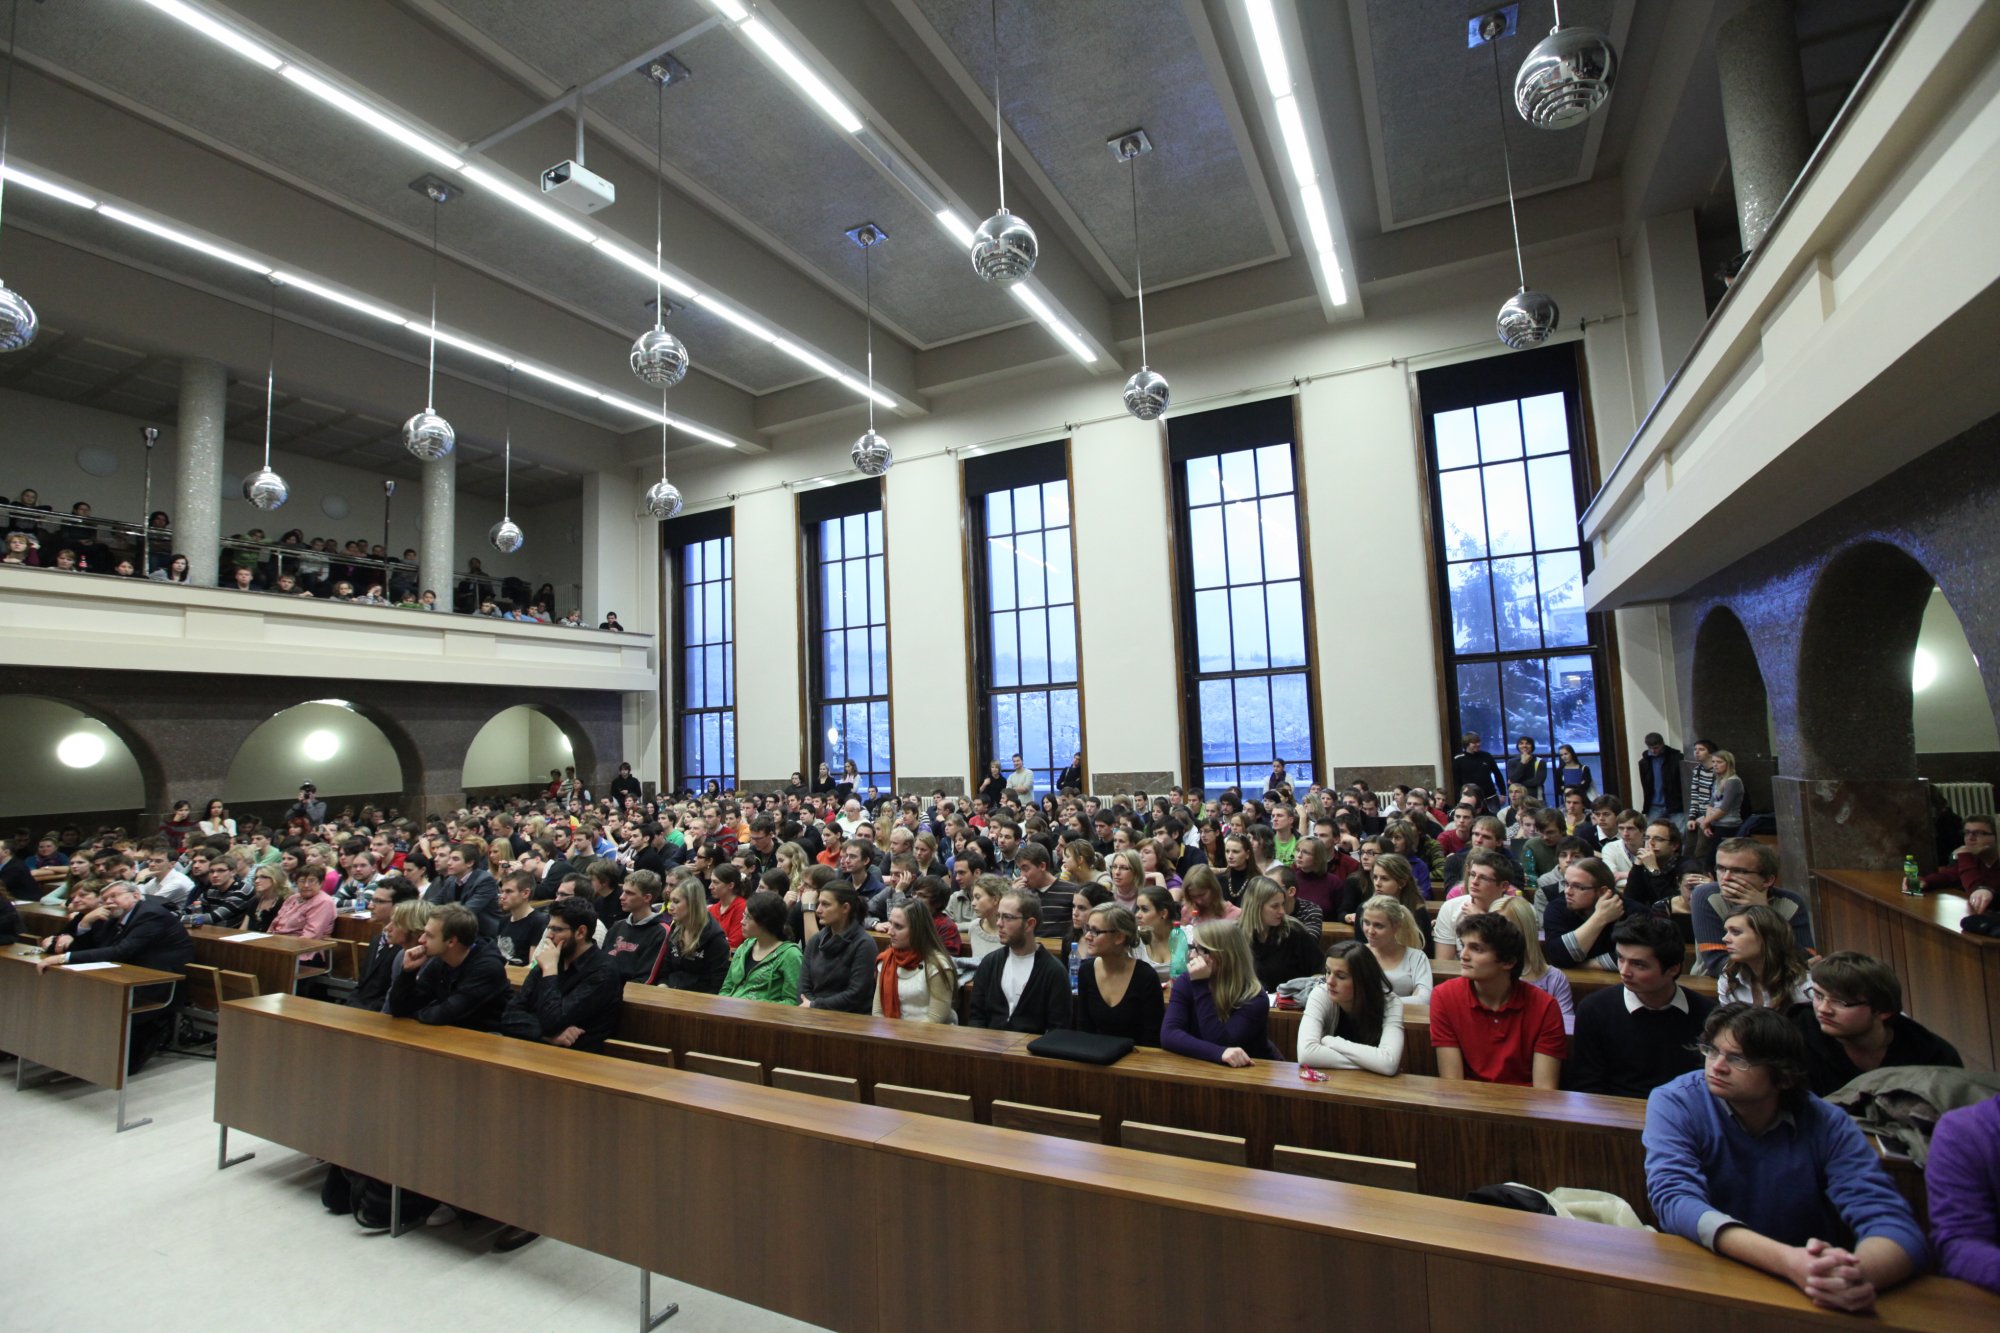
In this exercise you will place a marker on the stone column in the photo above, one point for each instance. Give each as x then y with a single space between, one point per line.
434 553
197 514
1763 110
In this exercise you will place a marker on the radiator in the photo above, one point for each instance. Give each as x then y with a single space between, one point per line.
1967 798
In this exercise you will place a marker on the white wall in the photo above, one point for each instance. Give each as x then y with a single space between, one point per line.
273 762
1952 713
34 782
517 747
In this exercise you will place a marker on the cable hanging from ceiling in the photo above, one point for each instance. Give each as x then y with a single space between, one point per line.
427 435
870 454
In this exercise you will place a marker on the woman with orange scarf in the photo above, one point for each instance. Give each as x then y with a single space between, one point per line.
915 979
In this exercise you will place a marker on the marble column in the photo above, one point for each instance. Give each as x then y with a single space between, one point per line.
197 513
434 553
1763 110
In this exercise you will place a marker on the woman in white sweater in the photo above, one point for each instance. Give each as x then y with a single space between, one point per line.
1392 936
1354 1021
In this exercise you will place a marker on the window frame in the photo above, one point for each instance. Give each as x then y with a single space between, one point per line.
813 508
676 536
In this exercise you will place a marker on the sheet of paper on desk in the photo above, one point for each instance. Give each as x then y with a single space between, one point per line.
88 967
246 935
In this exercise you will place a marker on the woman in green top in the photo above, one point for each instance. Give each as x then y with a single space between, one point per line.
1161 942
766 965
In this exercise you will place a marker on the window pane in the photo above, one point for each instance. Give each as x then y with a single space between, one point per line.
1457 441
829 539
1545 422
1239 476
1291 720
1000 574
1062 579
1028 508
1563 619
878 592
1218 722
1246 607
1517 604
1067 726
1055 504
1274 469
1524 696
874 517
878 660
712 617
1029 571
1573 700
1246 554
692 685
1205 548
832 599
1006 650
999 513
729 675
1471 607
1035 728
1253 720
1553 490
691 562
729 746
1281 537
1006 727
1464 506
1211 618
1507 509
1062 645
1204 481
1288 624
857 592
712 696
1499 431
1034 648
834 669
1479 705
854 535
691 628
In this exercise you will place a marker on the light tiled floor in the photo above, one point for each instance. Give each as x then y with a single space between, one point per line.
139 1230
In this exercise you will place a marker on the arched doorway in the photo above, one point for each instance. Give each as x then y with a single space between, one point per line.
68 766
1732 708
327 742
517 749
1856 650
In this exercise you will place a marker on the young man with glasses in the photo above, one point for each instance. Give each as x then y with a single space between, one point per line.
1857 1024
1743 1159
1746 875
1020 987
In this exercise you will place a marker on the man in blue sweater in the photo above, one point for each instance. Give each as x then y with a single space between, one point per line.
1735 1155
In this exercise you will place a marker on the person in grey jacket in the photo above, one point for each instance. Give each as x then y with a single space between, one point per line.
467 880
838 970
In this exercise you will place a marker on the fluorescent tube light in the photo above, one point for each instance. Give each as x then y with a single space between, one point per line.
218 32
369 116
1321 230
956 227
29 181
1298 147
731 10
422 326
528 203
560 381
861 387
181 238
806 357
1067 336
1270 46
732 316
644 266
338 298
795 69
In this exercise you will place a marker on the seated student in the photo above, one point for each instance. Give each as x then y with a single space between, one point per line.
309 913
577 886
1857 1023
695 954
1975 865
522 924
1485 881
1390 931
1538 852
725 882
929 890
1162 944
1655 874
1577 925
766 965
1631 1039
1218 1011
1535 969
1746 873
1764 967
1486 1023
982 929
1354 1020
837 969
915 979
1281 947
1116 996
1202 898
1962 1186
1020 987
572 988
377 970
635 939
607 891
128 927
83 900
451 977
1082 897
1741 1158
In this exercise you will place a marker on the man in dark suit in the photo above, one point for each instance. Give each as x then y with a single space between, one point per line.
1660 790
467 880
377 971
1020 987
127 927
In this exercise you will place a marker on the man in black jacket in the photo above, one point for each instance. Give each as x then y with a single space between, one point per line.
572 989
127 927
467 881
1474 767
1660 791
626 785
1020 987
452 977
378 966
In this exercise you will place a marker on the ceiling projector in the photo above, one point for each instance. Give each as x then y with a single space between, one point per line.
580 188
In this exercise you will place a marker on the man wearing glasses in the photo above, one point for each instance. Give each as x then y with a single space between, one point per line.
1857 1024
1746 875
1020 987
1743 1159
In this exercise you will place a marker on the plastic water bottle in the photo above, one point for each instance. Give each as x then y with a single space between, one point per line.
1913 883
1075 963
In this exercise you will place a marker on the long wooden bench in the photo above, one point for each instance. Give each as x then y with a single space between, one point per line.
880 1176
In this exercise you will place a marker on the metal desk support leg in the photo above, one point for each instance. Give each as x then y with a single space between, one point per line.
396 1227
125 1065
648 1321
223 1161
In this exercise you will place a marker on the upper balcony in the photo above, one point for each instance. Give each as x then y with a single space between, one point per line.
1858 337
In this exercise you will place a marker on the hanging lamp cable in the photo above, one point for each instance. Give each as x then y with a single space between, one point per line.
1138 260
430 390
999 131
271 378
1507 164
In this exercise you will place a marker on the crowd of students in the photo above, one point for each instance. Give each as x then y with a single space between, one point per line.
1170 921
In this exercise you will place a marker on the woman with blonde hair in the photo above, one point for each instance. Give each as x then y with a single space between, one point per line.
1724 815
695 955
1535 969
1391 934
1202 898
273 886
1390 875
915 979
1217 1011
1126 876
1080 863
1281 947
1765 967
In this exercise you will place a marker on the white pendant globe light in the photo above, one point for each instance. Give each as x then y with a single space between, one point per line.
506 535
427 435
265 488
870 454
18 322
1566 77
1004 249
1528 317
658 357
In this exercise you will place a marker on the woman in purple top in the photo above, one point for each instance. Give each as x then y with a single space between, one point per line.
1962 1180
1218 1011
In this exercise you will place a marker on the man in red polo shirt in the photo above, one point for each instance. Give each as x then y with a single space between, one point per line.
1486 1024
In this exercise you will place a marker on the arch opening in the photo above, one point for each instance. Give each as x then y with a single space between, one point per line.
518 749
327 742
67 765
1732 707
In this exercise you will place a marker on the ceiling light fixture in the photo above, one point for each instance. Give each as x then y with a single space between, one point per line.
1290 116
427 435
663 498
265 488
218 32
1146 393
1566 77
1004 248
30 181
80 749
181 238
870 454
18 321
659 358
1528 317
506 535
338 297
1066 335
379 121
801 74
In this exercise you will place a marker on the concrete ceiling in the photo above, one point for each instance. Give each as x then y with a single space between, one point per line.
759 188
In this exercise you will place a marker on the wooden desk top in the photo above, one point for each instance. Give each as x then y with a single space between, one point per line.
1935 907
40 918
119 974
276 943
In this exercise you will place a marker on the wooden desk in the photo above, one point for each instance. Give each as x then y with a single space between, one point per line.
360 930
79 1023
38 920
1951 980
1398 1260
1418 1055
276 960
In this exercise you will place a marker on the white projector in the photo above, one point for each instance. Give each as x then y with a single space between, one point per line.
581 189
